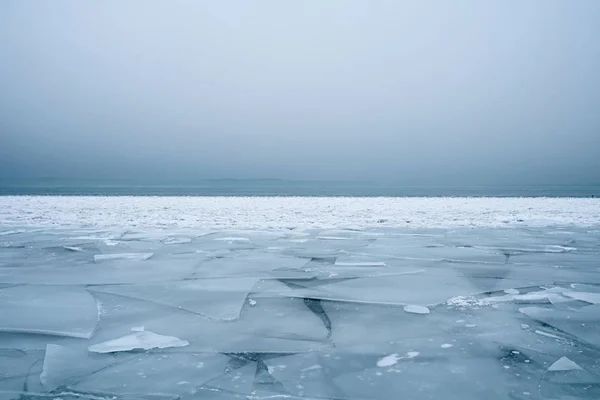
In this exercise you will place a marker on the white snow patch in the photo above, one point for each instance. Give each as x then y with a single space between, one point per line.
511 291
564 364
252 302
144 340
388 361
233 239
416 309
446 346
392 359
137 329
467 302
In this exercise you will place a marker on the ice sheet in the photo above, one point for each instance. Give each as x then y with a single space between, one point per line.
303 313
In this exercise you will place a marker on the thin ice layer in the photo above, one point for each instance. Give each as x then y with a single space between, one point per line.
50 310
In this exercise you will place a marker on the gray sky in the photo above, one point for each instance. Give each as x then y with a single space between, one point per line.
425 92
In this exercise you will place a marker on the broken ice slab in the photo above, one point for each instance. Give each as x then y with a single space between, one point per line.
117 272
49 310
64 365
309 374
315 248
413 287
466 377
429 249
253 265
582 323
16 364
567 379
75 395
220 298
366 328
592 298
352 260
155 372
100 258
270 325
240 380
139 340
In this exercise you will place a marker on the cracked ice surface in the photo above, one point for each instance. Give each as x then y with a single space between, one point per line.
301 308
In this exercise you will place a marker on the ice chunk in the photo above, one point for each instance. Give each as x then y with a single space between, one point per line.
446 346
64 365
144 340
50 310
221 298
416 309
564 364
99 258
137 329
388 361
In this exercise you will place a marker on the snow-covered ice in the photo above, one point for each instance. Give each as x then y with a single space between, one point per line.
155 298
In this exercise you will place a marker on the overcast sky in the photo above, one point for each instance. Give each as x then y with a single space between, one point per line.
425 92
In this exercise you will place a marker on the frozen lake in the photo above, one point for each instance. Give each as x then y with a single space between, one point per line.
300 298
